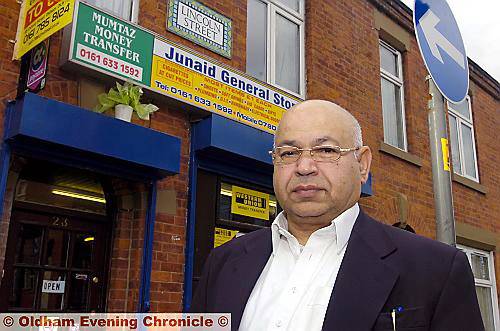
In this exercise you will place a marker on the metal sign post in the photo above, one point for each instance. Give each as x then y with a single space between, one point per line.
441 178
443 51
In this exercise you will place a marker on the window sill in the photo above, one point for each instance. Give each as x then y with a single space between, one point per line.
391 150
469 183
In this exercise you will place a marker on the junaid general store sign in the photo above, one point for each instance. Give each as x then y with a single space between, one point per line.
123 50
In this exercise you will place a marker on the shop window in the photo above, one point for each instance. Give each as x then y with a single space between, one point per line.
463 147
484 277
275 43
245 207
52 185
392 91
126 9
226 208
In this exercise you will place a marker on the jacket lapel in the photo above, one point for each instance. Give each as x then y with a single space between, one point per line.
364 281
244 270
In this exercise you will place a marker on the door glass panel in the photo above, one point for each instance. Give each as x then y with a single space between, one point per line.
24 288
78 293
29 244
53 289
55 185
82 252
57 248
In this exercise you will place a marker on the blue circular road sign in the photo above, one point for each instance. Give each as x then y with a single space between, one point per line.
442 47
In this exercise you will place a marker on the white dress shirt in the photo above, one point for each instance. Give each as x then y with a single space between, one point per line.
294 288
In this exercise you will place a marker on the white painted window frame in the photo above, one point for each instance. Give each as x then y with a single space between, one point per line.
135 11
134 15
485 283
469 123
399 81
275 7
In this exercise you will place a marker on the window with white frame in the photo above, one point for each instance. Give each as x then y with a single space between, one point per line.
275 43
126 9
392 90
463 146
484 277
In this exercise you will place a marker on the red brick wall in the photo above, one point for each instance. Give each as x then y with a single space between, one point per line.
342 65
342 61
169 237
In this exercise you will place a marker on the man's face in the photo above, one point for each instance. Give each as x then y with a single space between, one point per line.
312 190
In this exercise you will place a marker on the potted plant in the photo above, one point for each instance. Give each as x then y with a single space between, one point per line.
125 99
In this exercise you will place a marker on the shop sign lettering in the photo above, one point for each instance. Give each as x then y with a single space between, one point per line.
200 24
124 50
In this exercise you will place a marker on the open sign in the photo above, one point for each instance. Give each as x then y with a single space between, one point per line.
53 286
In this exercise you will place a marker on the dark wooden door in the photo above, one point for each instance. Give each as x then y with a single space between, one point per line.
56 261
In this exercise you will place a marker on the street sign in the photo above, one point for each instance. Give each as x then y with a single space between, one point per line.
442 48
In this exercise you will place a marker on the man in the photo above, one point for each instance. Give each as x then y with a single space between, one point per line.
326 265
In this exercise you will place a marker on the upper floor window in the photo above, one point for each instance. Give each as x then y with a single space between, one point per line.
126 9
275 43
463 147
391 81
484 277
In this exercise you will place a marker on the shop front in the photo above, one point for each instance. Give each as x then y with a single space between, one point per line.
65 182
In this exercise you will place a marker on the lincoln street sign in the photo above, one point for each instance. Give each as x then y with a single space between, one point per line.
442 48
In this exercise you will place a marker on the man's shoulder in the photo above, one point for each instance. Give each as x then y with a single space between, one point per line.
411 243
239 244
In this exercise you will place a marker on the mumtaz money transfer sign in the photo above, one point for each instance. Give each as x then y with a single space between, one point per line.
124 50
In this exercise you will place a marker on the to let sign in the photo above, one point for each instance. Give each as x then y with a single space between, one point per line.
38 20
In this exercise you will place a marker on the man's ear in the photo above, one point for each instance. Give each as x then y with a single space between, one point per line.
365 161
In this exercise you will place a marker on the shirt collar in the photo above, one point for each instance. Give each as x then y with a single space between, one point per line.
340 228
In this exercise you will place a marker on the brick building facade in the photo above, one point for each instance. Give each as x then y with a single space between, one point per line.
341 52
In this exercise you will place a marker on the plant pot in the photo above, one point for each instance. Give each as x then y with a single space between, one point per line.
123 112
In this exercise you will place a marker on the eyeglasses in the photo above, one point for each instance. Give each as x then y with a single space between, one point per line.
291 154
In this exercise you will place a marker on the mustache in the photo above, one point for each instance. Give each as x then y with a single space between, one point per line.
306 183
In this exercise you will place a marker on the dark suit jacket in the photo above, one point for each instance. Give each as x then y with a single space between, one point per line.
383 268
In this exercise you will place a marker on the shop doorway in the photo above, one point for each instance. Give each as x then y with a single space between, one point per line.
227 208
57 253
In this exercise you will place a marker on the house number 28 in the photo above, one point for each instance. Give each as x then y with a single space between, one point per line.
60 221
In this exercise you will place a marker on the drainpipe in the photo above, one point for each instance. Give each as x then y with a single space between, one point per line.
147 251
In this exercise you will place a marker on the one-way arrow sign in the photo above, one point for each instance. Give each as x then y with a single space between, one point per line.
442 48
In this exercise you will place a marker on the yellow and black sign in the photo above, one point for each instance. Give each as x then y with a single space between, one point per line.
39 19
250 203
446 154
222 236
